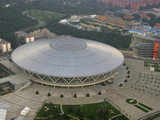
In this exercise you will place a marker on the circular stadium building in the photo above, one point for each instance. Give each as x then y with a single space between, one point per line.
68 62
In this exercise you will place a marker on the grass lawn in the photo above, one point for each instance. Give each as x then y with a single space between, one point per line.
98 111
44 15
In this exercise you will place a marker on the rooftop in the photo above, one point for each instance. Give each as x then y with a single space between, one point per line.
67 57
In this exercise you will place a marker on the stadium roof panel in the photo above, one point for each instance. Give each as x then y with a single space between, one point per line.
67 57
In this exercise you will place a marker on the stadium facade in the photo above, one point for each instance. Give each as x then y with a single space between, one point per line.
68 62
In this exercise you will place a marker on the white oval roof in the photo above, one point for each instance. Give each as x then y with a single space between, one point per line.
67 57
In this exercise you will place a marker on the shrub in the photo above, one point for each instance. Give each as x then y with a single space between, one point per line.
61 95
37 92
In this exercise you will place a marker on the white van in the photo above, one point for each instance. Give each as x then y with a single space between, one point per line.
25 111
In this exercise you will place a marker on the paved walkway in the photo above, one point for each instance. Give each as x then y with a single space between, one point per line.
111 92
18 100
